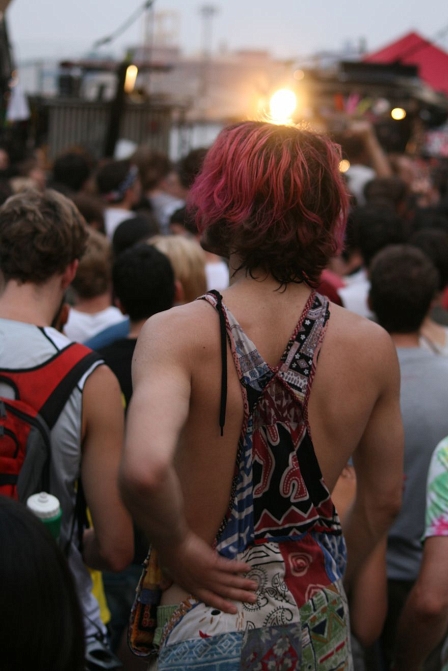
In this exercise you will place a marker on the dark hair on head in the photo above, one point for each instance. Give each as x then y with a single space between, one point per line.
111 176
351 238
72 170
42 627
40 235
403 283
274 196
92 209
434 242
5 191
94 275
377 227
352 146
153 166
386 189
143 281
431 217
133 230
190 166
184 217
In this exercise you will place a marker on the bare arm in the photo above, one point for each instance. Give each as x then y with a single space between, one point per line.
368 597
378 462
149 482
378 159
109 545
368 593
424 620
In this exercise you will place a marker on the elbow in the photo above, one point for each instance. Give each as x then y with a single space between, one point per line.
431 605
120 561
368 630
390 506
137 483
118 557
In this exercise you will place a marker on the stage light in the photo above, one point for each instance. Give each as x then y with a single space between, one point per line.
131 76
398 114
344 165
282 105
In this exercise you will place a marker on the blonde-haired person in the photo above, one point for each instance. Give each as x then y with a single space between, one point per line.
188 261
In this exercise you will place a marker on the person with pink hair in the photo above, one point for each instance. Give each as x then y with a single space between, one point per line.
246 408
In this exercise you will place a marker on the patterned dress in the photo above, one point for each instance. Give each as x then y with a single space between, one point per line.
280 520
436 523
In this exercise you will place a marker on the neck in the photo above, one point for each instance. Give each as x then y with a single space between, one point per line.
260 280
135 328
118 206
95 304
32 303
406 339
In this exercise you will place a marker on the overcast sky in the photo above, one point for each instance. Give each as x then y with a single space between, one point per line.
287 28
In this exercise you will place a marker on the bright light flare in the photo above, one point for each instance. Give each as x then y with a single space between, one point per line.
131 76
398 113
282 105
344 165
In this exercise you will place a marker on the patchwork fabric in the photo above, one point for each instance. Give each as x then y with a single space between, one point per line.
280 520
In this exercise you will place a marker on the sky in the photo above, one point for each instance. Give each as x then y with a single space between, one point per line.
288 29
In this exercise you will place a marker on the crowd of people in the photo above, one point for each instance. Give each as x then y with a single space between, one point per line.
281 445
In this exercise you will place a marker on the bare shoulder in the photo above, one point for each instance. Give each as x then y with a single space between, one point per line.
101 401
101 380
180 329
364 343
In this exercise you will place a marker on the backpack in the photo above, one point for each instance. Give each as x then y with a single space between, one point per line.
40 394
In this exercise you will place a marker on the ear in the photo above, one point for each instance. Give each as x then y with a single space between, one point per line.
179 293
69 274
120 306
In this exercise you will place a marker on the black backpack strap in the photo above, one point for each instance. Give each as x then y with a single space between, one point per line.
54 405
50 412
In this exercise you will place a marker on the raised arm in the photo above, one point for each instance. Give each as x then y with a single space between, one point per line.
109 544
378 463
149 482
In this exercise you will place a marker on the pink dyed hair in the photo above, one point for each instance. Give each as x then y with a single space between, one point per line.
273 195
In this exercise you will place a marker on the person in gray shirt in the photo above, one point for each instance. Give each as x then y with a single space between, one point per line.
403 284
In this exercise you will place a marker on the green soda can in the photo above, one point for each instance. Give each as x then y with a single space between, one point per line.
46 507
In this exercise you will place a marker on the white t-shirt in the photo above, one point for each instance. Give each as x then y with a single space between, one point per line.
81 326
113 216
217 275
356 293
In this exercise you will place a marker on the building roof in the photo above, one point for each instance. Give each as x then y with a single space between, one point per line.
412 49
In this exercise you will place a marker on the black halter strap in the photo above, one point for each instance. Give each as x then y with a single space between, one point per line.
223 333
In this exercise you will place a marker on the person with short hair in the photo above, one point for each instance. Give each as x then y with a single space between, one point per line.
119 186
160 184
246 407
92 287
144 285
403 284
70 170
377 226
42 238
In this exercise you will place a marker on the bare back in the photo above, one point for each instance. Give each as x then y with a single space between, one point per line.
354 390
340 404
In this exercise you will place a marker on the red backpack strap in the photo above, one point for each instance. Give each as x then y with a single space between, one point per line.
47 387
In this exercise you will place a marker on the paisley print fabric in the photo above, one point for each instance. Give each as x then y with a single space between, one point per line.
280 520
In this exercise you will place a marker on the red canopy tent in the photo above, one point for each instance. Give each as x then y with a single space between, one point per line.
412 49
